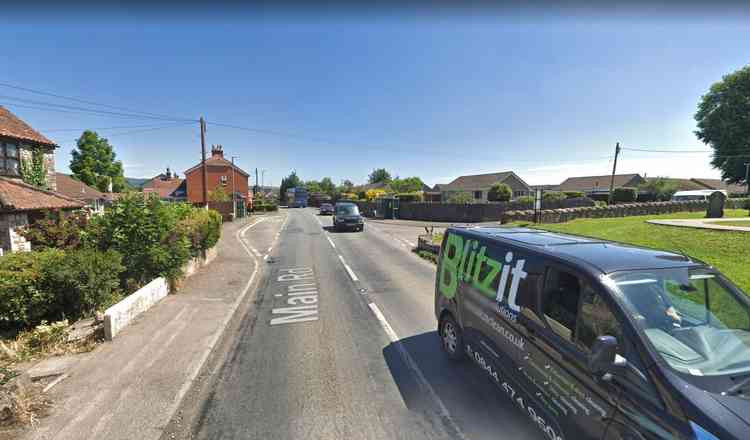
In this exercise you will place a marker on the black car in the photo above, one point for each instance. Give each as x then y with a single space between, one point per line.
598 340
346 216
326 209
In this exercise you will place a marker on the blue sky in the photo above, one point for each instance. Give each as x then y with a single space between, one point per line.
545 95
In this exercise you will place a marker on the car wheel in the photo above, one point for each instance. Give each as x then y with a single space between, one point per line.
451 339
361 228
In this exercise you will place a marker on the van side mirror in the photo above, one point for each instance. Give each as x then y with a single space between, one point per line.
603 353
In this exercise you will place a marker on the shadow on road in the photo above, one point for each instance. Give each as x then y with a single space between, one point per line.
333 230
474 402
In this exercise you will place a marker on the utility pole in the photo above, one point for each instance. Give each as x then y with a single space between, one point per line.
262 179
747 182
255 188
614 170
234 203
203 162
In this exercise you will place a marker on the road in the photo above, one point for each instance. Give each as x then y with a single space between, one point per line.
340 342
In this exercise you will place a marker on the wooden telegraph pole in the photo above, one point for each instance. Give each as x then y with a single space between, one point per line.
614 170
203 162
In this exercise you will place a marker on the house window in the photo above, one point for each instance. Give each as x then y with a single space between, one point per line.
519 193
224 180
478 195
9 160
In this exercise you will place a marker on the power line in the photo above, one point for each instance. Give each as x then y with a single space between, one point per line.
89 110
664 151
84 101
49 130
180 124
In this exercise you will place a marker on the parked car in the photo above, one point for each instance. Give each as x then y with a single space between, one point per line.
346 216
326 209
595 339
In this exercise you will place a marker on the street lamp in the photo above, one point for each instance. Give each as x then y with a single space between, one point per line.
234 203
262 178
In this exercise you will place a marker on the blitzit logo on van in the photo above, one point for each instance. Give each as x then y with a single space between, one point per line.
466 261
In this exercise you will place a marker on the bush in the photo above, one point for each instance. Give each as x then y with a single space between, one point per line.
574 194
46 336
53 284
526 200
462 197
144 231
499 192
624 195
410 197
554 196
56 231
202 228
271 207
599 203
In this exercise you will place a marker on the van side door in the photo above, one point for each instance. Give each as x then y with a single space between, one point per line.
558 349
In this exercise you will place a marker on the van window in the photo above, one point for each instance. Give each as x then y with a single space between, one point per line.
595 319
562 291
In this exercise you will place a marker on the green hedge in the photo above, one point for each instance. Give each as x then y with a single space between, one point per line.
554 195
573 194
410 197
53 284
624 195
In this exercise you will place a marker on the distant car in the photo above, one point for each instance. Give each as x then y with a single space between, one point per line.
326 209
701 194
346 216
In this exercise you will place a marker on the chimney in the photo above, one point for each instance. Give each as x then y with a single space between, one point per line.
217 151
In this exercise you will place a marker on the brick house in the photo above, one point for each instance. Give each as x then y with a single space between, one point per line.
220 173
21 203
478 185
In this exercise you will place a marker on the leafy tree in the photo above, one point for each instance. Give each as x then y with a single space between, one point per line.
723 124
291 181
313 186
379 175
347 185
372 194
660 188
219 195
34 171
406 185
94 163
499 192
462 197
327 186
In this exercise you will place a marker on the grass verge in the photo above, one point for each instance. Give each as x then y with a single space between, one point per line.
429 256
726 250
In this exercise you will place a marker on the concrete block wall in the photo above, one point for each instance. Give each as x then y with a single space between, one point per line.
623 210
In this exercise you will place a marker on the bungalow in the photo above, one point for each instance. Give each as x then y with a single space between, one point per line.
21 203
598 186
478 185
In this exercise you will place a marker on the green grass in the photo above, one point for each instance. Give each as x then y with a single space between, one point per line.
743 223
728 251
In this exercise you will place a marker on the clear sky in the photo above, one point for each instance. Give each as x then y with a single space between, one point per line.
544 93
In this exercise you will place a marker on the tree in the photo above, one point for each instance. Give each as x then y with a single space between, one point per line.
660 188
499 192
94 163
379 175
219 195
723 124
462 197
347 185
372 194
34 171
406 185
291 181
327 186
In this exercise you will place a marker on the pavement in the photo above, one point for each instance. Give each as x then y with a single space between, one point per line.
706 223
341 342
131 387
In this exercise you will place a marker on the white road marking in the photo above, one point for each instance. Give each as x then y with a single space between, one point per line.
265 257
348 269
269 248
54 382
255 251
415 369
410 243
330 241
319 222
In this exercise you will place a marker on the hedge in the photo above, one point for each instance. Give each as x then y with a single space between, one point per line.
410 197
624 195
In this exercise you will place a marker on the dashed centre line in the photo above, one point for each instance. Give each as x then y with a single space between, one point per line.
330 241
349 270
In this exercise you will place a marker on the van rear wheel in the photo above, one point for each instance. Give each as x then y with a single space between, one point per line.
451 338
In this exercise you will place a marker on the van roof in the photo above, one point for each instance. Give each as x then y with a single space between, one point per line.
601 255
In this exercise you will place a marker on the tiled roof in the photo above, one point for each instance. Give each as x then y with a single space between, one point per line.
477 182
164 188
589 183
217 161
16 195
720 184
12 126
76 189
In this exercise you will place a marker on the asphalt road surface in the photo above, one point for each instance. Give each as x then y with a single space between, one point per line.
340 342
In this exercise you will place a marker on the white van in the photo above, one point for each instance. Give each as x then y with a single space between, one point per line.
701 194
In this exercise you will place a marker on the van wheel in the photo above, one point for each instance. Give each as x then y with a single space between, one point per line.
451 339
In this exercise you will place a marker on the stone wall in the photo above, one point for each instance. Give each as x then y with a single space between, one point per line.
10 240
622 210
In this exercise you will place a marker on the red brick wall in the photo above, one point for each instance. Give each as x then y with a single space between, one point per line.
214 173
